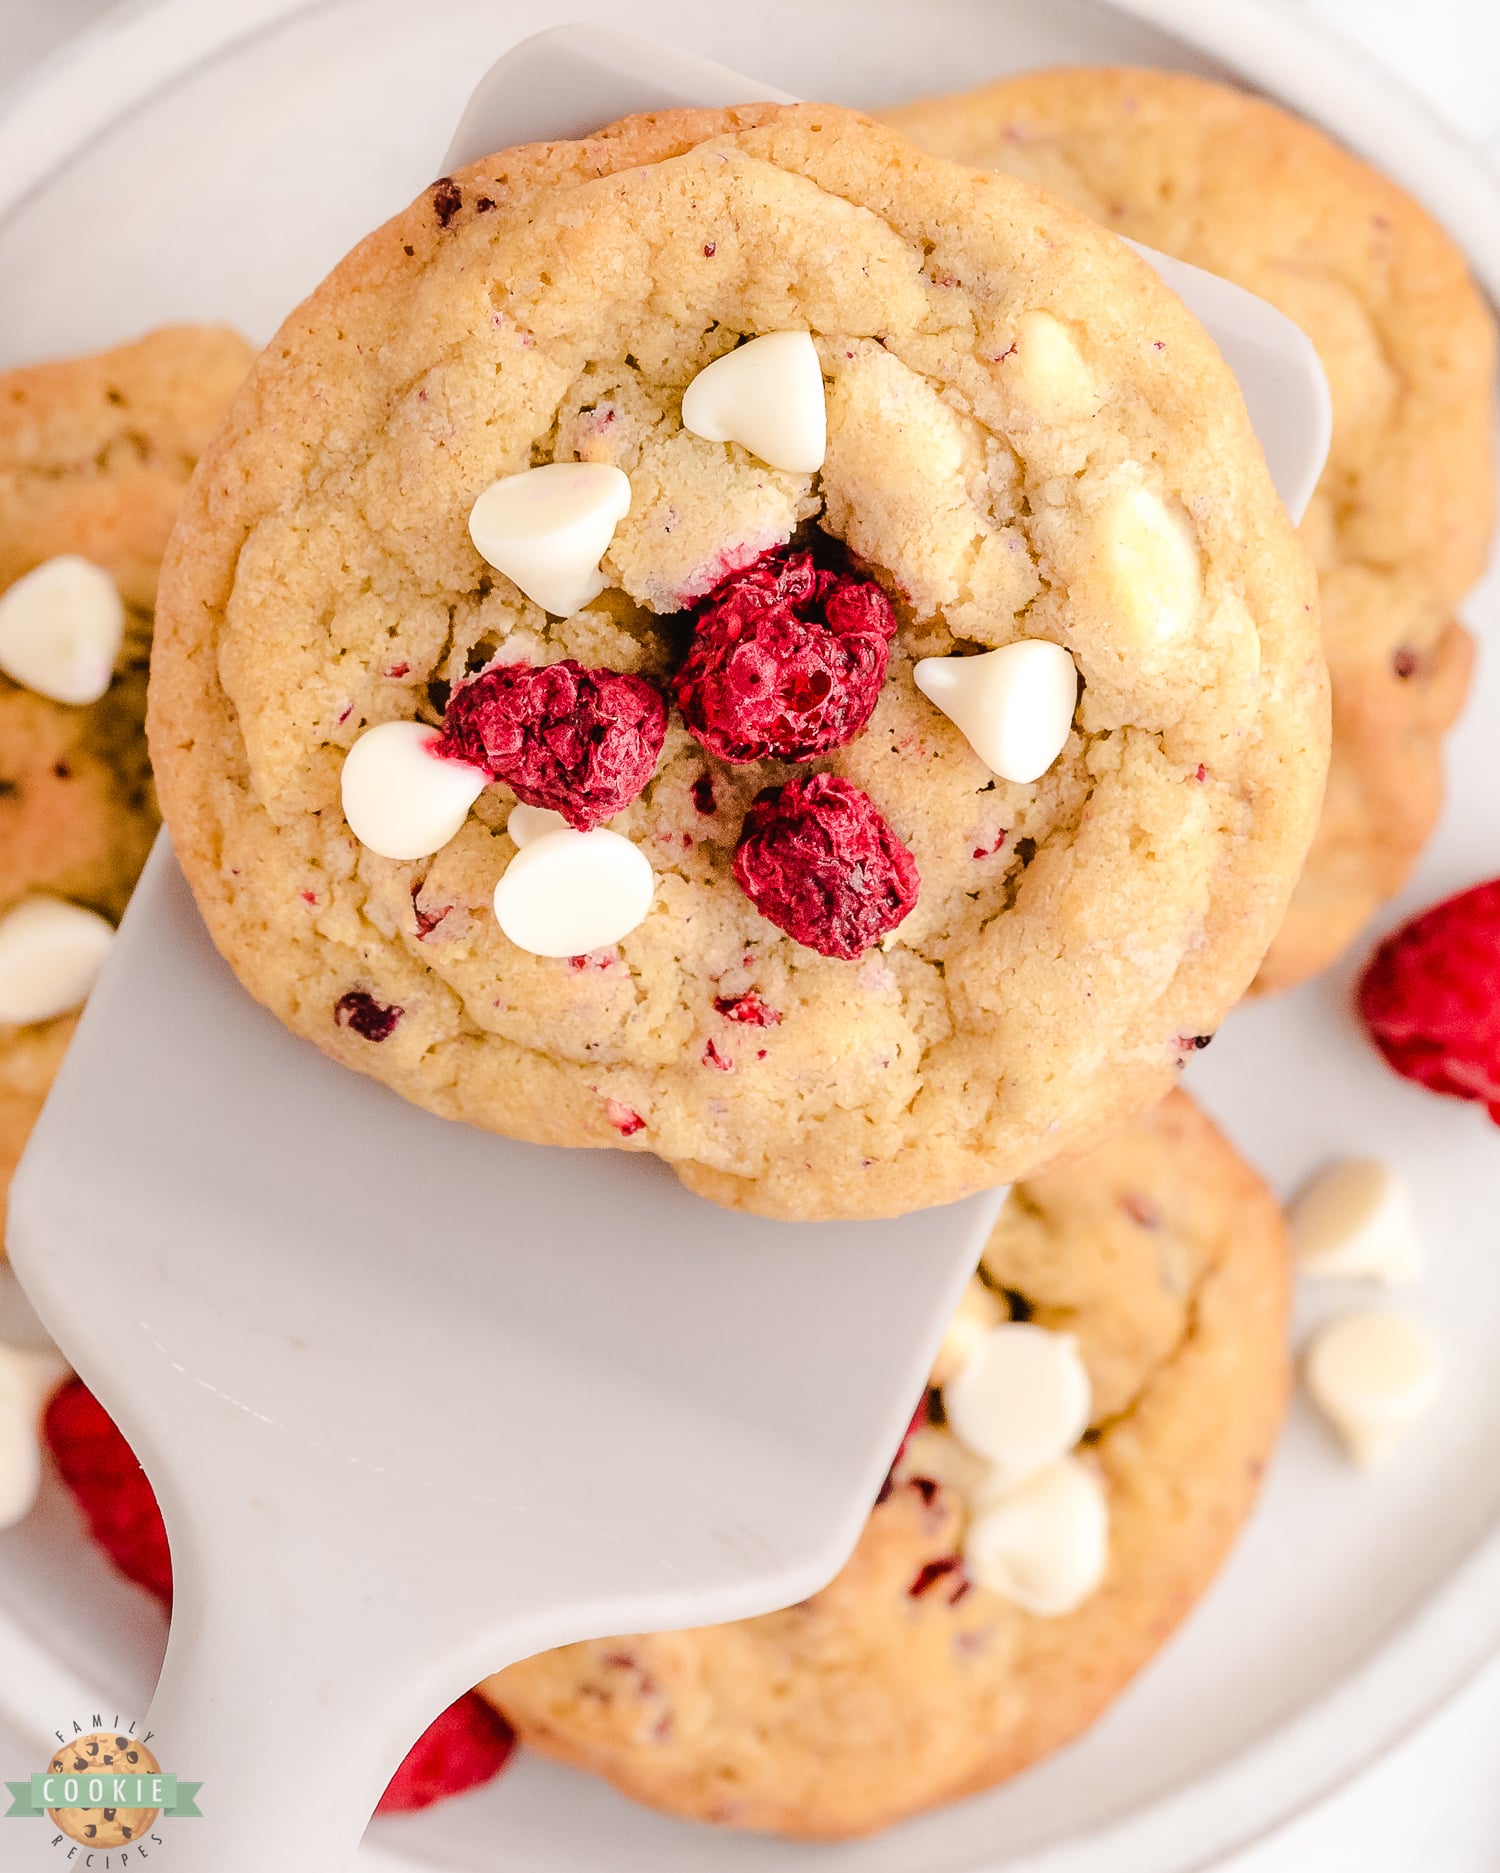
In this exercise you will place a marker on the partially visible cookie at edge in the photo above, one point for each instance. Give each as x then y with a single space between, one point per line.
901 1685
1400 525
95 453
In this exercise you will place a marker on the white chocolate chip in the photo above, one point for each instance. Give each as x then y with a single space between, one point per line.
60 630
547 529
1374 1374
566 893
1353 1221
978 1310
51 953
1146 555
767 396
1048 372
26 1382
1043 1544
530 822
1022 1398
400 798
1014 705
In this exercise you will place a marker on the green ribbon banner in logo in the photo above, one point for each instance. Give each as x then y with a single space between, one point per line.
34 1798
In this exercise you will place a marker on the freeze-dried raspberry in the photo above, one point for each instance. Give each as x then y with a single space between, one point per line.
818 860
919 1421
749 1009
467 1745
583 742
371 1020
626 1121
1431 997
787 660
110 1487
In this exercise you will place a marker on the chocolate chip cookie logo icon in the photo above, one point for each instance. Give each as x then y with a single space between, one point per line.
103 1790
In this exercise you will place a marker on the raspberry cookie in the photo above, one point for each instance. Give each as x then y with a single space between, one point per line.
1400 524
94 456
996 1603
644 665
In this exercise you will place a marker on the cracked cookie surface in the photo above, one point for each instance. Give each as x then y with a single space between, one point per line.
900 1686
1026 437
1400 525
95 454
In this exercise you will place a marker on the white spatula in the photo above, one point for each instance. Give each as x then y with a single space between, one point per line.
418 1401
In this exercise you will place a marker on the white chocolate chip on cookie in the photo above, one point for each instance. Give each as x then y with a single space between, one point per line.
1048 372
1146 570
767 396
977 1312
1014 705
1353 1220
547 529
1374 1374
531 822
61 627
566 893
1044 1543
26 1381
51 952
403 800
1022 1398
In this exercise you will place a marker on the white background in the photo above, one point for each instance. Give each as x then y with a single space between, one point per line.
1434 1806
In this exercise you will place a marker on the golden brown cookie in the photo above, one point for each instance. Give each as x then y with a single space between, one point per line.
1069 936
900 1686
1400 525
94 455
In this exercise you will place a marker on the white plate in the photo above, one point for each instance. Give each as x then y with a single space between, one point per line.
213 162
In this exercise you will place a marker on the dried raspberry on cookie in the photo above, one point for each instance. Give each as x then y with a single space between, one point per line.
787 660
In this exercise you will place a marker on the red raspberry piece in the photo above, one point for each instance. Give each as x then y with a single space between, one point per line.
1430 997
919 1421
748 1009
467 1745
818 860
110 1487
583 742
787 660
371 1020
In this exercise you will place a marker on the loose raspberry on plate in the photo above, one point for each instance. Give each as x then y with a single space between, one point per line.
582 742
1430 997
786 662
110 1487
469 1744
817 859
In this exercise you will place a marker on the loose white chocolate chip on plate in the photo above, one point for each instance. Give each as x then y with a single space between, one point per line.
531 822
547 529
51 953
1353 1220
1014 705
978 1310
767 396
1022 1398
1374 1374
61 627
401 799
1042 1544
26 1382
566 893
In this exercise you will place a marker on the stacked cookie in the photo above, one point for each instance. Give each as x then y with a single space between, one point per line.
935 755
